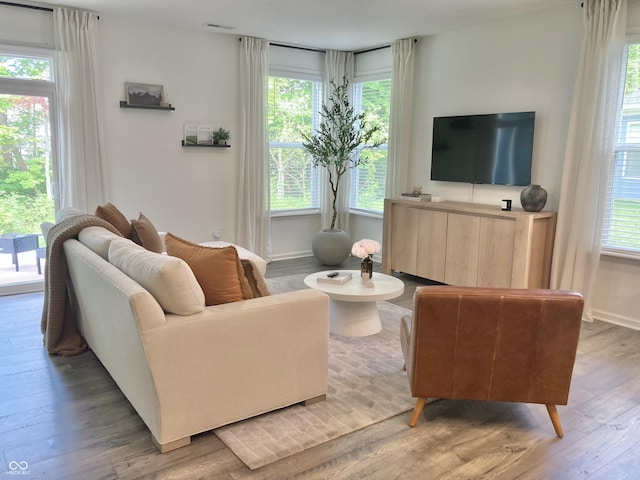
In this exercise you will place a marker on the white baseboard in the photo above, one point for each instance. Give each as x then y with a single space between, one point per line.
18 288
289 256
608 317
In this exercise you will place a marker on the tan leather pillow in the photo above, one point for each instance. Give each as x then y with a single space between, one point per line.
115 217
218 270
145 234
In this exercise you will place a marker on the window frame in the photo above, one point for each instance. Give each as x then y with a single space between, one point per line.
316 179
38 88
381 74
620 148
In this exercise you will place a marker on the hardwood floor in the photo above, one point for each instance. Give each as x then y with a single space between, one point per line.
64 418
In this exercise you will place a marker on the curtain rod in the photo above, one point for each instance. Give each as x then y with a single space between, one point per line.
382 47
295 47
373 49
32 7
309 49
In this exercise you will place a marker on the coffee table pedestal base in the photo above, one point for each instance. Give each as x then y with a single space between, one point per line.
354 319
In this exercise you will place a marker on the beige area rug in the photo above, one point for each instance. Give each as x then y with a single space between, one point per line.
366 385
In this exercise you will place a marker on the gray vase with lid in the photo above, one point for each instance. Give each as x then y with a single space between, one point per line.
533 198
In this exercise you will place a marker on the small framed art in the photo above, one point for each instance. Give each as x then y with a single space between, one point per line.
144 94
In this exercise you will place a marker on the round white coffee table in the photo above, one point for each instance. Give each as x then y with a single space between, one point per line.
352 307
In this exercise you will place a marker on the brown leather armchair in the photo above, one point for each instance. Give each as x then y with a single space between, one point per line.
500 344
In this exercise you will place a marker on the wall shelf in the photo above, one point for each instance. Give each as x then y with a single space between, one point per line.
204 145
124 104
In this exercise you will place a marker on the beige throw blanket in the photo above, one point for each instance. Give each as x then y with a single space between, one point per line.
61 336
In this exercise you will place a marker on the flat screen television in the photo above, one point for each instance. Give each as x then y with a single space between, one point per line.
492 148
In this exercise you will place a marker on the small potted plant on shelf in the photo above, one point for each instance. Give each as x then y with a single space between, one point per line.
220 136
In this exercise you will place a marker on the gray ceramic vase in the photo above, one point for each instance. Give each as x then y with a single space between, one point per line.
533 198
331 247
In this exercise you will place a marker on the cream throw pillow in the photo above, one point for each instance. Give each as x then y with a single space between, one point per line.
168 279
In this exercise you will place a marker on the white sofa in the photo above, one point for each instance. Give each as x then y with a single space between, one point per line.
186 374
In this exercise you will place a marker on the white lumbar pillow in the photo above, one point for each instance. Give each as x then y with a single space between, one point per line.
98 239
168 279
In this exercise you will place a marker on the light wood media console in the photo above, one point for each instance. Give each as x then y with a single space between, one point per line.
468 244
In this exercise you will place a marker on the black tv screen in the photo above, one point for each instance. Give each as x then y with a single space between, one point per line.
492 148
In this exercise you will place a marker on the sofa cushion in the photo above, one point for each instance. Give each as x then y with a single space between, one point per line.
168 279
218 270
115 217
97 239
145 234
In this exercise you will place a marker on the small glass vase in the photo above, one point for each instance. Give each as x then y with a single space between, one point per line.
366 269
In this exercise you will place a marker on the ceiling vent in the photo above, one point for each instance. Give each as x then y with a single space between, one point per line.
221 27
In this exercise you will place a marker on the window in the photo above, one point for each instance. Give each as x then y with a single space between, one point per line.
26 137
292 109
368 181
26 68
622 213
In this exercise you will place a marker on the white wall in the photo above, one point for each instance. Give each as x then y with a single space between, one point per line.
26 27
188 191
527 62
521 64
617 292
524 63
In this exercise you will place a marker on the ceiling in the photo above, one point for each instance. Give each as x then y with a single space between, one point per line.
324 24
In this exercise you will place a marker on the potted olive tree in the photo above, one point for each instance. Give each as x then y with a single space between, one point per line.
337 146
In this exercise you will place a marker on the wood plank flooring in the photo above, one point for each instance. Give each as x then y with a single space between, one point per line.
64 418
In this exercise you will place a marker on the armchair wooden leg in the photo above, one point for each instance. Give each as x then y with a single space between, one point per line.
555 419
417 410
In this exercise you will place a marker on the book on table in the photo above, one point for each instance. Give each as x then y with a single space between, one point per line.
341 278
419 197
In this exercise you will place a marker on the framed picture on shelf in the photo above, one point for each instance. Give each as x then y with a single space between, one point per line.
144 94
205 135
190 134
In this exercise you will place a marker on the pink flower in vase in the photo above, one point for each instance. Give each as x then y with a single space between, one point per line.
365 248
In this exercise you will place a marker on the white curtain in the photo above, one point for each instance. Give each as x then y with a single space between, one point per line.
81 173
337 66
253 231
589 149
403 53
